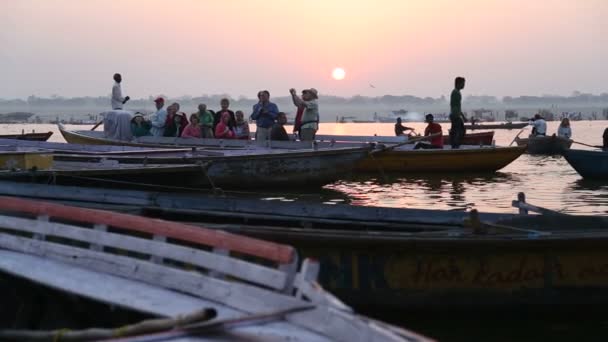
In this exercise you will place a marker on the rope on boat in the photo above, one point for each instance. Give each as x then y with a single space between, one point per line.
142 328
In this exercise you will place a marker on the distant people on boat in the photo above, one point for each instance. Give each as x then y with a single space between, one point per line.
241 129
432 128
539 126
400 129
158 119
278 130
176 121
457 118
224 103
206 120
140 127
222 130
117 100
564 130
193 129
309 124
264 113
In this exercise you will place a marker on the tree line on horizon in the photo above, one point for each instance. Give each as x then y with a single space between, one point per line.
577 98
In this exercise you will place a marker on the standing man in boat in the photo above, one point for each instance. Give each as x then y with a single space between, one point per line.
158 119
309 123
457 118
264 113
117 100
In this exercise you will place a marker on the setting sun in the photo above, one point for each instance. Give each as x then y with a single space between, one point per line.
338 74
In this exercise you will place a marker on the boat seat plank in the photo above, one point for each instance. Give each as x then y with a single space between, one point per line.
102 287
234 294
222 264
362 138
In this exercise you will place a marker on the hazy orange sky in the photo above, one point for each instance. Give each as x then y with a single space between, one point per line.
194 47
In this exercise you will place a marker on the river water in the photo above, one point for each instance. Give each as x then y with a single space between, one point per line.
548 181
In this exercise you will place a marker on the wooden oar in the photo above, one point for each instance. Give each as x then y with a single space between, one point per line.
517 136
392 147
97 125
580 143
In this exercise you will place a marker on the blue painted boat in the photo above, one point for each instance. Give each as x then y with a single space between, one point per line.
589 164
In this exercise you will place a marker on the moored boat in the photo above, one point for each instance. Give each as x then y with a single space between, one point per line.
241 168
549 145
28 136
389 258
508 125
467 158
588 164
59 273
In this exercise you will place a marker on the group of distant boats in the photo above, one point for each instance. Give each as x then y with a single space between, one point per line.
477 115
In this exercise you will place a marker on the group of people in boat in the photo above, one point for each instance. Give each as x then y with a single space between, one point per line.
539 127
225 123
457 120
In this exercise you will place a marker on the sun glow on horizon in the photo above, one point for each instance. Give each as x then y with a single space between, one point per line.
338 74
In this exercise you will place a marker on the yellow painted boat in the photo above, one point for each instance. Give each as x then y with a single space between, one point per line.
467 158
22 160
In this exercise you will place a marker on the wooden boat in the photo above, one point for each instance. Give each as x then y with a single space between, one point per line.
28 136
482 138
388 258
589 164
70 267
466 158
508 125
545 144
261 168
88 137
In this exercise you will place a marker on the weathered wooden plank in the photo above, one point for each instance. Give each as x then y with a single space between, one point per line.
237 295
222 264
102 287
268 250
362 138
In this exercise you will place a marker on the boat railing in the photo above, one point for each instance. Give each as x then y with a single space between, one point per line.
77 234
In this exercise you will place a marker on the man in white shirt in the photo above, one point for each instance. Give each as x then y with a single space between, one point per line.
539 126
117 99
158 119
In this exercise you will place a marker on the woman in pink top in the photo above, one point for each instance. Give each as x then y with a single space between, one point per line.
222 131
193 129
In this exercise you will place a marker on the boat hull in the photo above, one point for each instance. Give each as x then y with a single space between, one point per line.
446 160
496 126
549 145
589 164
28 136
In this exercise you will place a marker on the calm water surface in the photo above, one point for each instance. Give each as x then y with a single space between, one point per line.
548 181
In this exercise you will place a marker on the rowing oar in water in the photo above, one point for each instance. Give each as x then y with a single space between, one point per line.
392 147
594 146
97 125
517 136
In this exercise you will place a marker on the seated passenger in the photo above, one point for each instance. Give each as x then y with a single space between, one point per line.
241 129
278 131
431 129
140 127
564 130
193 129
176 121
222 130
